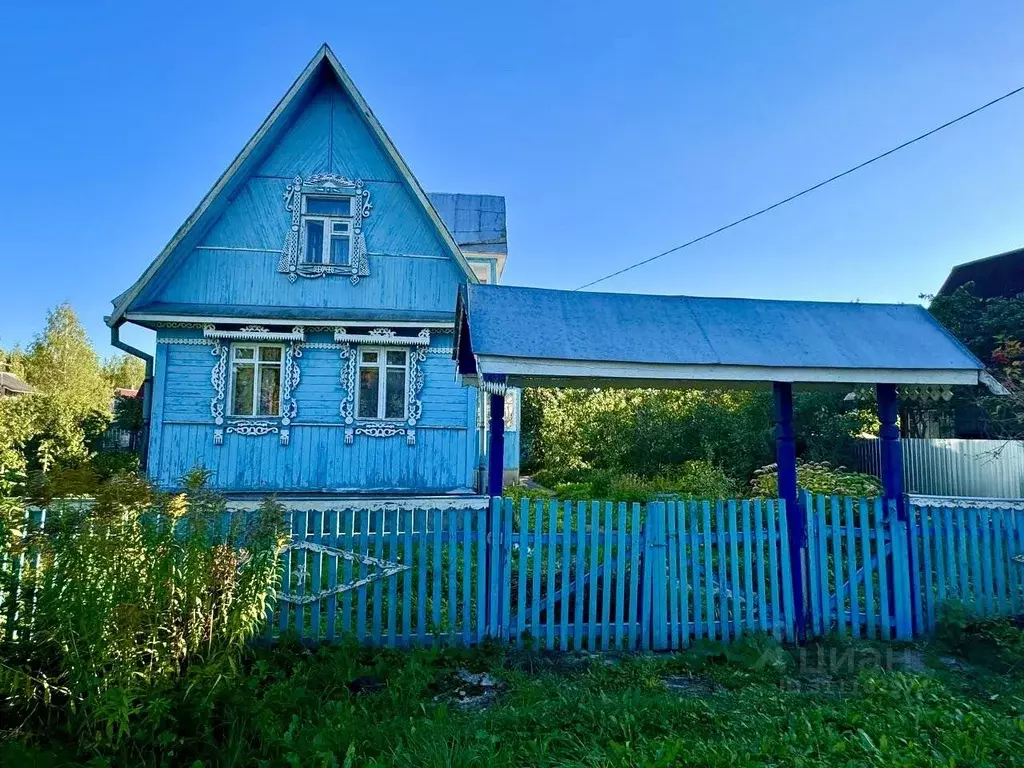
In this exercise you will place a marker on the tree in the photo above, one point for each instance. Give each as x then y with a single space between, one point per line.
62 363
124 371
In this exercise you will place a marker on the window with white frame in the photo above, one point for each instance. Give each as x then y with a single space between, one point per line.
326 230
256 379
383 376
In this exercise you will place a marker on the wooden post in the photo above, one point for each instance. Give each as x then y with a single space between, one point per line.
785 457
495 477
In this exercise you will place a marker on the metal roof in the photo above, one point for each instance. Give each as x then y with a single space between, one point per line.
537 332
477 222
993 276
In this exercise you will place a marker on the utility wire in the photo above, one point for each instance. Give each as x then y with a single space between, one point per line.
791 198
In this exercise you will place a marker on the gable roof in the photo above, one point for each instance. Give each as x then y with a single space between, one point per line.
477 222
993 276
529 334
219 195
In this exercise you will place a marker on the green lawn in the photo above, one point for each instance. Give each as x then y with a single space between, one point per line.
751 704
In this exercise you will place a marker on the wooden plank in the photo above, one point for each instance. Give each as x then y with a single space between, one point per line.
886 619
567 594
673 579
869 571
837 565
393 557
1001 602
813 583
709 591
748 566
928 573
684 587
939 534
822 531
467 577
774 582
552 541
422 559
595 523
581 530
437 526
900 575
723 581
378 584
1012 549
912 536
506 569
494 578
606 576
985 532
961 525
332 576
538 523
408 519
620 578
975 549
734 570
316 573
851 566
348 543
695 580
481 574
787 576
759 558
524 527
364 549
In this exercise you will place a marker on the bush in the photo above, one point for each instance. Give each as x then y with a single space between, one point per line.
117 600
818 477
694 479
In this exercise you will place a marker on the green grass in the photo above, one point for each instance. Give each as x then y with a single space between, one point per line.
748 704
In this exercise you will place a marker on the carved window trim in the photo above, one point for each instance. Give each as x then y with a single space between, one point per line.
417 347
323 185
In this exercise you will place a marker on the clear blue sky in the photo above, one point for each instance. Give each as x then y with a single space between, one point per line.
614 131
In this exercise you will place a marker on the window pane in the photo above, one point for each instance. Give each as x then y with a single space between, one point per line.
368 380
340 227
242 387
339 249
394 398
314 241
330 206
244 353
271 354
270 390
396 357
369 357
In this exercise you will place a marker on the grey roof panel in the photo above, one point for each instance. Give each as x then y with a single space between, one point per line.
477 222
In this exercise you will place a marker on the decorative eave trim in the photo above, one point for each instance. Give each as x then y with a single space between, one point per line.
198 321
386 336
256 333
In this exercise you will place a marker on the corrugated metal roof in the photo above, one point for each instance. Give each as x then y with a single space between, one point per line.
506 321
477 222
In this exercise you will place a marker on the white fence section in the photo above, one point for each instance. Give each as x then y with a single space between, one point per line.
954 467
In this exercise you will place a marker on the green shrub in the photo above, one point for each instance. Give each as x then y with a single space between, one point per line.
818 477
118 599
694 479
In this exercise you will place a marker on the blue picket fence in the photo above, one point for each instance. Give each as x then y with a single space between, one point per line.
592 575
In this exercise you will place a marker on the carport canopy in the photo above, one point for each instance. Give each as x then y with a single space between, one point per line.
541 337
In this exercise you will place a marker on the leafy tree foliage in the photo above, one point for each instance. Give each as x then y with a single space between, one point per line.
124 372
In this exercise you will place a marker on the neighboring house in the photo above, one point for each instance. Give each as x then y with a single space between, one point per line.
11 385
304 314
1000 275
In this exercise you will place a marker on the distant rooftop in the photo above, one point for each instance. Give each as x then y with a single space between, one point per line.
999 275
477 222
12 385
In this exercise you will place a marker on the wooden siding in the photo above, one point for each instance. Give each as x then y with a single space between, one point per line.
443 459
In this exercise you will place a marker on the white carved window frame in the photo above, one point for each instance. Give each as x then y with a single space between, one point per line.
351 346
258 365
325 185
382 366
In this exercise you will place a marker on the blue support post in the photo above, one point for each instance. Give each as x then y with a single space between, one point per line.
495 479
891 471
785 457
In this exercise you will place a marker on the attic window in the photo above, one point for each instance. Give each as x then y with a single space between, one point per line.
327 230
326 234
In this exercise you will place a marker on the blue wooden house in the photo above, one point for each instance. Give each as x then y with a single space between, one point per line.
304 315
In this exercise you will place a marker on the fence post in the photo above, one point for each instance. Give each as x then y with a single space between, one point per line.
785 453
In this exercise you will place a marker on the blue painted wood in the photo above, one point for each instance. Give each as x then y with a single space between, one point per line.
759 557
775 559
941 535
494 568
467 577
363 520
674 628
316 585
391 529
563 610
821 537
348 543
913 537
632 635
437 532
524 527
581 530
593 565
978 595
869 570
922 516
734 564
422 559
813 560
408 539
837 564
785 457
552 542
748 564
851 568
1002 605
884 546
506 568
723 581
962 547
709 590
985 532
481 574
378 530
792 614
537 560
684 582
331 530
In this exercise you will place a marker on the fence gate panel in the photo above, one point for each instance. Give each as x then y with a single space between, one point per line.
389 577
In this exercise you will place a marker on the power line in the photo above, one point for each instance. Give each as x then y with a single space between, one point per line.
791 198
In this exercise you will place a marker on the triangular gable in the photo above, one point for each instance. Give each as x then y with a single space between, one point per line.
276 122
